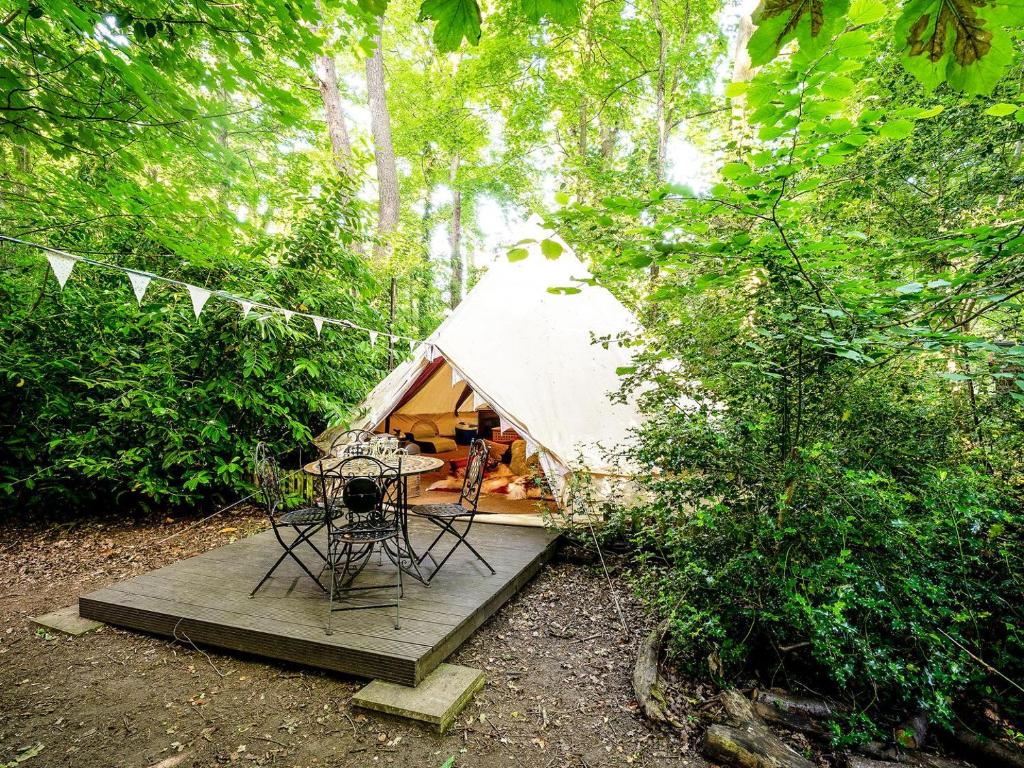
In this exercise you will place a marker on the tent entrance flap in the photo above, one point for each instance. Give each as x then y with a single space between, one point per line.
437 397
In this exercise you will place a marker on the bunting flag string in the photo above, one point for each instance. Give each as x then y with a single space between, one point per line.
61 266
140 283
504 423
199 298
62 263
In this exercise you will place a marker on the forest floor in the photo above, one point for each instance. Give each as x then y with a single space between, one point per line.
557 660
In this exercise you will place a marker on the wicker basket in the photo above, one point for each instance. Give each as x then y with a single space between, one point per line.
507 437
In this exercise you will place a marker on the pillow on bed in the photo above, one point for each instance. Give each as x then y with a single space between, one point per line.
495 453
424 430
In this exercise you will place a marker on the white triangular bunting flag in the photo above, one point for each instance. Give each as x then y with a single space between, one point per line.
412 344
531 448
61 266
199 297
318 323
139 284
373 338
504 423
432 353
455 377
287 315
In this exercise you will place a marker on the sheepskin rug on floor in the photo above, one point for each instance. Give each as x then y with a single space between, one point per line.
499 480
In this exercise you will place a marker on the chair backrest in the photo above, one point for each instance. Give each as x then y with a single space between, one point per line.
366 489
268 478
342 444
474 478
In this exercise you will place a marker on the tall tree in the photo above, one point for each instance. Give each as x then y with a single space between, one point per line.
334 113
384 152
455 235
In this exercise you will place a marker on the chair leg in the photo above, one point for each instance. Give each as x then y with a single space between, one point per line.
448 526
433 544
398 600
269 573
330 608
302 536
465 540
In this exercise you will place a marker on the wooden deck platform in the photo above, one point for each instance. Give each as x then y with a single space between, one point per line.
207 598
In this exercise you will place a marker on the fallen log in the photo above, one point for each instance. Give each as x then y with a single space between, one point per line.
913 731
747 742
906 761
987 751
648 684
800 713
750 747
856 761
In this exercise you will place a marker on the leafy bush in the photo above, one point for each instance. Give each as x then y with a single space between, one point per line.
859 564
112 404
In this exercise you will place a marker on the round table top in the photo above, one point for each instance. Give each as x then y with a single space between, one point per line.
411 465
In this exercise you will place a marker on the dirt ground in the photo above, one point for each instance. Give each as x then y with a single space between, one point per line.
557 660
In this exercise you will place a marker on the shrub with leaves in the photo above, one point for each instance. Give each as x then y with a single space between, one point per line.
115 404
869 563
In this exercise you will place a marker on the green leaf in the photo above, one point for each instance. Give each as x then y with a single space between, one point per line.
732 90
963 42
735 170
897 129
517 254
811 22
837 87
559 11
866 12
1001 110
456 20
930 112
551 249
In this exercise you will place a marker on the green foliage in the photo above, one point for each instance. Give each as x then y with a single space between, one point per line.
812 22
966 43
834 374
457 20
112 404
882 566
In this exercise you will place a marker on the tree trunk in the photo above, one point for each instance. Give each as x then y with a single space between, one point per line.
660 111
384 152
425 283
455 237
334 114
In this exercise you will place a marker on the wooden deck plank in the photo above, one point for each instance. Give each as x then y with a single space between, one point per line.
206 599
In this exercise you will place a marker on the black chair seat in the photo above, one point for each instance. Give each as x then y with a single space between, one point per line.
359 534
440 510
305 516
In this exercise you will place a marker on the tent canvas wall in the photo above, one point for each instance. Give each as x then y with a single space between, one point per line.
530 355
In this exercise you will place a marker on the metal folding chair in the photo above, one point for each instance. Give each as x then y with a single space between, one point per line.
445 516
292 528
364 497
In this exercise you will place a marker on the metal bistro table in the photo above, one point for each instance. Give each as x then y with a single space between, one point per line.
411 465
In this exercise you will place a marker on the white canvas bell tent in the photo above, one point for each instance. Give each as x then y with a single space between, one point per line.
529 355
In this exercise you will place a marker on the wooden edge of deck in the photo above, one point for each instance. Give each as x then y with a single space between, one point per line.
267 644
